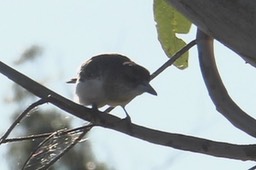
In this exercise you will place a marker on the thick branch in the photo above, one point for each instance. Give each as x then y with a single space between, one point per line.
41 91
231 22
178 141
217 91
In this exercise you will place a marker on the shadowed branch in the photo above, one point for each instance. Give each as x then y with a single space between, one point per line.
217 91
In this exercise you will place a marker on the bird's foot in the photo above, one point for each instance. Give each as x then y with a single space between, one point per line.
128 123
127 119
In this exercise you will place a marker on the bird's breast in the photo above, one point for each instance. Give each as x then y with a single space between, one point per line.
90 92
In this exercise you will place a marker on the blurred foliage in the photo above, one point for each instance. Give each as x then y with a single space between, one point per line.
30 54
18 94
169 23
80 157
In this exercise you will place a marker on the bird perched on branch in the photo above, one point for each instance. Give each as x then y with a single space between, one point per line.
111 79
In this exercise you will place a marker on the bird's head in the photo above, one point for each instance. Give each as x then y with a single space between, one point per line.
138 77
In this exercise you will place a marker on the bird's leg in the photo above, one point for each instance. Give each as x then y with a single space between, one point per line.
95 109
128 118
128 121
109 109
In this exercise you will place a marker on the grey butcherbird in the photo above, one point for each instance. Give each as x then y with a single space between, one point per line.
111 79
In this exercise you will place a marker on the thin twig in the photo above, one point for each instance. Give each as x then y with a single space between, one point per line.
20 117
173 59
166 64
44 151
84 132
44 135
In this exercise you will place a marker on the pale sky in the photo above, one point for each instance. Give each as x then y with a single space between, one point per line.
72 31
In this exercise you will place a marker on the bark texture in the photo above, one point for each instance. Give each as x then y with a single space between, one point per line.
232 22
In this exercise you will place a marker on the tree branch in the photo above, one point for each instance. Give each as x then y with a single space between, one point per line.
53 148
231 22
217 91
166 64
19 118
178 141
43 135
173 59
43 92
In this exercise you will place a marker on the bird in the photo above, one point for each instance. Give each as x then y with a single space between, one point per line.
110 79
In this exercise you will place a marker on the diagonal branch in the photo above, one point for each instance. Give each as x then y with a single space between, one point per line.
166 64
19 118
43 135
173 59
178 141
41 91
53 148
217 91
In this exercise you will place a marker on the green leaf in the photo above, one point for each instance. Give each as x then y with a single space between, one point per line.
169 22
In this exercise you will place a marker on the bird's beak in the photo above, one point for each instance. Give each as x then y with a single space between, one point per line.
73 80
149 89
